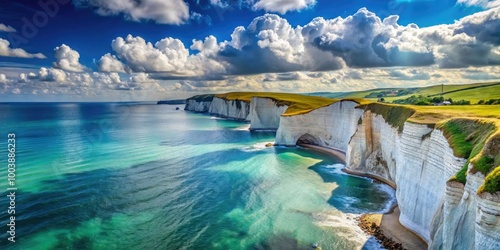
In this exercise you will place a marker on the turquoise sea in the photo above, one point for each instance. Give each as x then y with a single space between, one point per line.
144 176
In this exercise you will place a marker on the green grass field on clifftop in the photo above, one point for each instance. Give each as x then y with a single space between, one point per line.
297 103
471 92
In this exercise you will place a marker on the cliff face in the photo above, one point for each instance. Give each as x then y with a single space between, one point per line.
419 161
197 106
231 109
265 114
417 158
331 126
488 221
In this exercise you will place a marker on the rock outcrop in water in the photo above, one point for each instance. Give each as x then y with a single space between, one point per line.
416 157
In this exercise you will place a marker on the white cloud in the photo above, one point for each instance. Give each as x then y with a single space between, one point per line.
3 79
82 86
67 59
5 50
283 6
344 53
288 76
111 78
364 40
23 78
219 3
160 11
269 44
168 55
141 78
410 74
480 3
200 19
82 79
141 86
109 63
51 75
6 28
273 45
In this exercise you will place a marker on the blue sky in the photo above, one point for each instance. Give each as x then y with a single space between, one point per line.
58 50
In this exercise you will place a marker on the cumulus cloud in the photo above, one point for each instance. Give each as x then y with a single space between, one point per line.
289 76
168 56
409 74
271 54
235 83
226 3
109 63
108 79
200 19
6 28
283 7
269 44
364 40
480 3
142 86
67 59
160 11
82 79
273 45
23 78
51 75
82 85
3 78
6 50
481 74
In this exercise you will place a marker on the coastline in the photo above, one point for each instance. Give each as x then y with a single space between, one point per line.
371 176
385 227
330 151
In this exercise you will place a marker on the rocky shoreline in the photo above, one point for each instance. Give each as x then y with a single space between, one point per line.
368 223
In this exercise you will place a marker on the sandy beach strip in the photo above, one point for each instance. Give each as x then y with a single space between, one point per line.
336 153
385 227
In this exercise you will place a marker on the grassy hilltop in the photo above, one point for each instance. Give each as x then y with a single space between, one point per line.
297 104
471 92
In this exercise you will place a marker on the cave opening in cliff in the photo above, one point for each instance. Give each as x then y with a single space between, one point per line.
308 139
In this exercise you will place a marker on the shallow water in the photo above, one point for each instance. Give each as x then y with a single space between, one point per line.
140 176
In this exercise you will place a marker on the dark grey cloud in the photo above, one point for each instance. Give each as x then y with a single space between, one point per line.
413 74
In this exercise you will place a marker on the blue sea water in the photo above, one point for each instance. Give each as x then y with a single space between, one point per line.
145 176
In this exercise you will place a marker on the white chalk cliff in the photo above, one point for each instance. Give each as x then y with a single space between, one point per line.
418 159
265 114
197 106
230 108
331 126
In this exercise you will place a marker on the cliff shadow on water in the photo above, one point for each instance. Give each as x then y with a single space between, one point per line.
354 194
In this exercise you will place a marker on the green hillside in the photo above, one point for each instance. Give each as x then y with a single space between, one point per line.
471 92
475 95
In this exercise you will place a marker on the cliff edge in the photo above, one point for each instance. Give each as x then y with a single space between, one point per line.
446 169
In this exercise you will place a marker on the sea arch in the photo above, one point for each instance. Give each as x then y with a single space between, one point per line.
308 139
